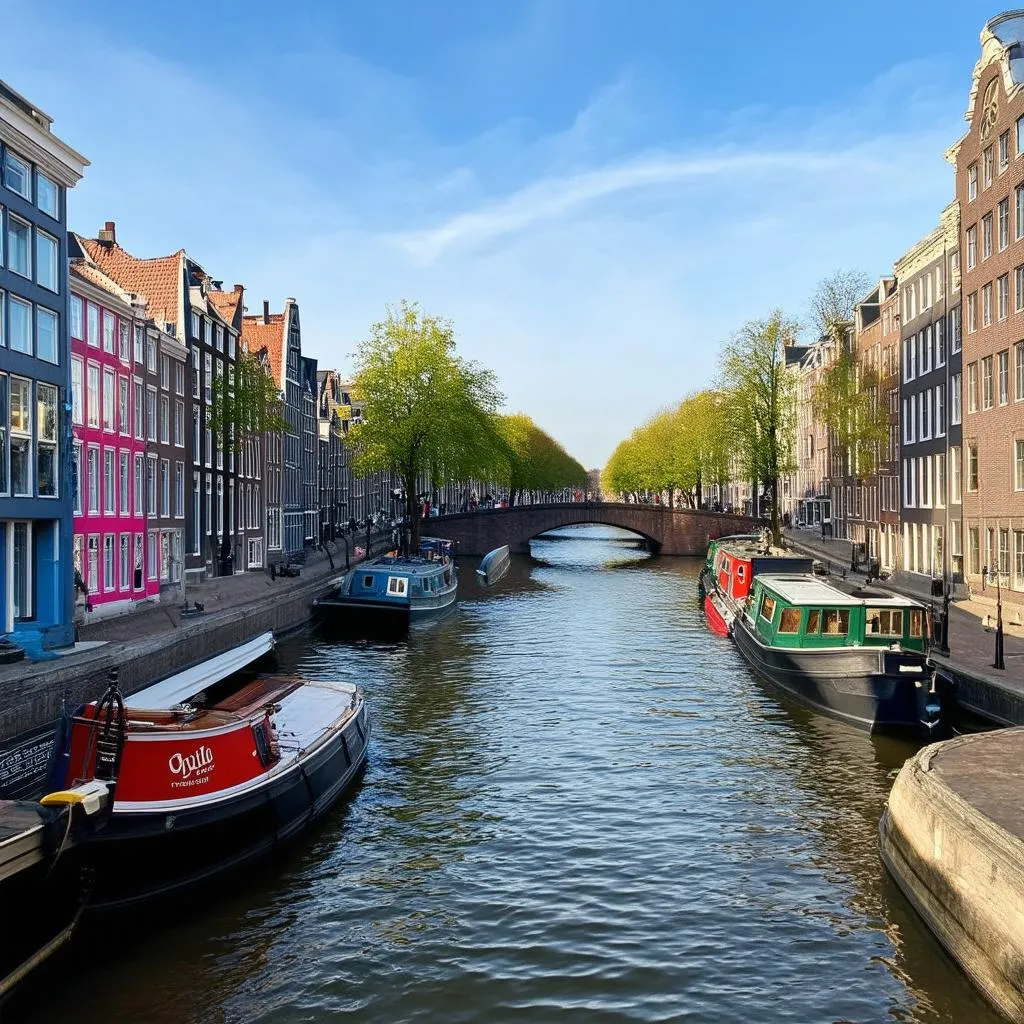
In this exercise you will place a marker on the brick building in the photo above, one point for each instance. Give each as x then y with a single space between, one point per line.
989 161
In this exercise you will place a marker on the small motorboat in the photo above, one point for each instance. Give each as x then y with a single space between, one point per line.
494 566
212 771
386 594
44 887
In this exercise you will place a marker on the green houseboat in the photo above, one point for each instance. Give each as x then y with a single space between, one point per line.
859 656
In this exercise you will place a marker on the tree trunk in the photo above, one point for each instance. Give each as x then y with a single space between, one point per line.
412 511
512 493
699 498
776 528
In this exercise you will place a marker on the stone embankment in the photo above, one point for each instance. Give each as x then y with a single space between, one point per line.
953 838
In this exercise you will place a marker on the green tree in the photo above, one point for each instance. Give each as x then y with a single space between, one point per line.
532 460
428 412
246 403
760 408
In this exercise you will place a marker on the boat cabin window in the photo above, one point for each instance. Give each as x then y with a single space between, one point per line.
398 585
767 610
917 622
885 621
835 621
813 620
789 620
368 582
741 572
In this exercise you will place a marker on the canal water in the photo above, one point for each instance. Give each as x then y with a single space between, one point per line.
579 806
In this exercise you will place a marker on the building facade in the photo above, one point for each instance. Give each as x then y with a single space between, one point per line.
108 415
890 536
36 500
989 161
332 420
310 452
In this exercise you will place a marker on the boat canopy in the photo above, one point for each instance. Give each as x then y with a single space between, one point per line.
178 688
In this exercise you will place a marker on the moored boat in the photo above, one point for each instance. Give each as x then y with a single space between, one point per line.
735 565
494 566
387 593
858 656
707 569
209 776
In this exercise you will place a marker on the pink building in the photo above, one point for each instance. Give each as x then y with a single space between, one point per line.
107 333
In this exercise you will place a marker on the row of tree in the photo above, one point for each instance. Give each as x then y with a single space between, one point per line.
745 427
430 414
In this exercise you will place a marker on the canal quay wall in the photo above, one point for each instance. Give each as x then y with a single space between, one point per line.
953 838
33 692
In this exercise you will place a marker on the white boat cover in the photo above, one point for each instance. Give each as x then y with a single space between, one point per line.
178 688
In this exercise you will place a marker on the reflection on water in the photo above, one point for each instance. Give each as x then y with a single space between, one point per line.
579 806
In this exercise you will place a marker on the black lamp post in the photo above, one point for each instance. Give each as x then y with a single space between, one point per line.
999 663
944 634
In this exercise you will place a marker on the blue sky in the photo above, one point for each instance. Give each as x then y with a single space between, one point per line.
596 192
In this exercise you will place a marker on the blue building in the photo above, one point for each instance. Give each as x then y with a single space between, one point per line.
36 492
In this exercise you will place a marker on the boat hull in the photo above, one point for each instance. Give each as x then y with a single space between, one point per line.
863 686
140 855
715 617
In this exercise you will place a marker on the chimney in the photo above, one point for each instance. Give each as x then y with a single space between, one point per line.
239 289
266 311
109 233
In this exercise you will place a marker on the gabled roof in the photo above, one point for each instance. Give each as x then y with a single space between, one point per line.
227 304
85 271
270 336
158 280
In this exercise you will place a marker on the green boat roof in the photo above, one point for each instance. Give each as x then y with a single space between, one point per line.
808 590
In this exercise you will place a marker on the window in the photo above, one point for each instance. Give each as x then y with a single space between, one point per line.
972 247
179 378
47 195
17 175
925 340
220 506
789 620
1018 549
151 486
165 487
197 451
916 622
124 422
231 346
925 419
954 476
972 183
195 372
973 551
123 346
151 559
940 480
986 236
165 372
1018 359
940 410
46 261
109 326
1018 465
987 166
972 467
165 427
137 508
93 326
1004 552
125 552
151 414
77 386
1003 297
986 382
179 424
123 488
76 483
986 305
196 522
954 399
179 489
108 399
151 355
208 368
972 387
138 413
1004 376
46 335
220 338
1003 223
940 344
884 621
209 447
108 480
767 609
137 343
1004 151
398 585
195 326
19 317
954 331
108 561
76 318
835 621
972 312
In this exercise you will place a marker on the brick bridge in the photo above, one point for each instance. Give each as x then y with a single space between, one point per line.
669 531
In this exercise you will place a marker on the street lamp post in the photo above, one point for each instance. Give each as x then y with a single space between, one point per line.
999 663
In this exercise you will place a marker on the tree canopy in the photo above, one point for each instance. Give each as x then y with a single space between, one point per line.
427 412
532 460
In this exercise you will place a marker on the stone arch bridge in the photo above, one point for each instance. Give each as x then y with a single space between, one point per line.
669 531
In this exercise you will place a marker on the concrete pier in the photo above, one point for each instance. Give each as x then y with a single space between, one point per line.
953 838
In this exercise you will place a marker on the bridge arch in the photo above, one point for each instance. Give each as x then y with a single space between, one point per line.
669 531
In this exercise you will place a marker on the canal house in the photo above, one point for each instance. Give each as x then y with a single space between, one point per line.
38 169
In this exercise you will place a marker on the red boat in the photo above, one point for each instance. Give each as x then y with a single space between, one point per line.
209 775
728 584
